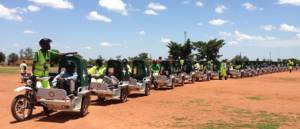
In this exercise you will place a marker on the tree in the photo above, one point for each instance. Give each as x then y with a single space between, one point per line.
12 58
246 60
177 50
238 60
100 57
119 57
21 53
28 54
174 49
2 57
187 49
208 50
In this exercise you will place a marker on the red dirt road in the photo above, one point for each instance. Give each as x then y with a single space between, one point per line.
254 100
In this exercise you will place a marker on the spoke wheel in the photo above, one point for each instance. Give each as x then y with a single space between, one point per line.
124 95
21 108
85 105
147 89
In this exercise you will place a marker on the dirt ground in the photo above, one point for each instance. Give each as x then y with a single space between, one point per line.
265 102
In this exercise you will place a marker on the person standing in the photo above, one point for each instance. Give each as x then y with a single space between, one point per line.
290 65
23 70
42 61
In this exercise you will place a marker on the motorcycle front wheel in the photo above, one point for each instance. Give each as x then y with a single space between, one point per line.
21 108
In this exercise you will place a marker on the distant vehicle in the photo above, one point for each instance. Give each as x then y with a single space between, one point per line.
165 77
115 86
140 80
189 72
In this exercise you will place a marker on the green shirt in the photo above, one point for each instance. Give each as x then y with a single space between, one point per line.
52 54
155 67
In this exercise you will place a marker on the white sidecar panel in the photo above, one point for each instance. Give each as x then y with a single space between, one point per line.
52 94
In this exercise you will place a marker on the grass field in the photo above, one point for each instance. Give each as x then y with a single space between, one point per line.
9 70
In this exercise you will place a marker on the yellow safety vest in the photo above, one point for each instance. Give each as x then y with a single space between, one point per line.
42 66
100 71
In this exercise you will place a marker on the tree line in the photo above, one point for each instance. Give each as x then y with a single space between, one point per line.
193 50
12 58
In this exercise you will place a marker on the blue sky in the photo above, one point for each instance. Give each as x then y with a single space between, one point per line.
128 27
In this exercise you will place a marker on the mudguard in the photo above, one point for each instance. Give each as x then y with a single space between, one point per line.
22 88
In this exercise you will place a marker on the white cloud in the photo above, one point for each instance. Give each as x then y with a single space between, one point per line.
281 43
225 34
165 40
150 12
141 33
199 24
95 16
156 6
268 27
186 2
67 47
199 3
114 5
217 22
87 47
233 43
298 35
250 6
10 14
107 44
29 32
242 36
220 9
289 2
153 8
289 28
16 45
58 4
33 8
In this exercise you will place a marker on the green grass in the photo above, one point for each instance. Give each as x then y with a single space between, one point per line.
199 102
180 122
255 97
243 118
9 70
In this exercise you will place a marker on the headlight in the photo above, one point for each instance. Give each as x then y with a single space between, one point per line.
28 82
172 76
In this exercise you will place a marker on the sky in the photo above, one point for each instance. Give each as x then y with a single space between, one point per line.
254 28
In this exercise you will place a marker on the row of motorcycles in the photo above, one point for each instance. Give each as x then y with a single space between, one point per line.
115 85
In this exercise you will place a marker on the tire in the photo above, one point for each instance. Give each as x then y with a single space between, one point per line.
47 111
147 89
85 105
197 79
156 87
124 95
193 79
173 84
208 77
26 105
100 100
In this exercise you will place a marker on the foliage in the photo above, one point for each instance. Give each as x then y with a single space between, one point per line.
2 57
26 54
12 58
238 60
208 50
177 50
142 56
